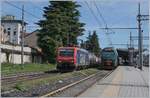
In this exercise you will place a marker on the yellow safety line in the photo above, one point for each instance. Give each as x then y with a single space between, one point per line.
111 90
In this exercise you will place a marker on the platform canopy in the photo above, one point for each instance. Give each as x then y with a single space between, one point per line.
124 53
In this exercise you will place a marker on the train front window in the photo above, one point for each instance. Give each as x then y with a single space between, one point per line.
108 50
108 54
66 52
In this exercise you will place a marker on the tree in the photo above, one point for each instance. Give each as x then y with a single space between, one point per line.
61 23
95 44
92 44
88 42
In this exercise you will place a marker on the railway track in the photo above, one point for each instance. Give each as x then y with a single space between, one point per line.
73 89
61 88
23 77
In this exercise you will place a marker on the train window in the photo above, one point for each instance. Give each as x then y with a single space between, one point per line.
66 52
108 54
112 53
108 50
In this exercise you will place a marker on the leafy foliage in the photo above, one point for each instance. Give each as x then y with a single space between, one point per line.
61 21
92 44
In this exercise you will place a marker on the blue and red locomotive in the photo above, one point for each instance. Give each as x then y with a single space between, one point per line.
72 58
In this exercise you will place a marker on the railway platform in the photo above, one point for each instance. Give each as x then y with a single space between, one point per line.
125 81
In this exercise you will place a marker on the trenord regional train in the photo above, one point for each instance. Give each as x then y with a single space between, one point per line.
73 58
109 57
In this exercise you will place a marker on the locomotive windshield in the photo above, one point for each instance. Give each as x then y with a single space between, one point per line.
108 50
66 52
108 53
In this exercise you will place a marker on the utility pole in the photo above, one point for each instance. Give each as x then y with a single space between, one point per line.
0 39
131 50
0 50
132 38
140 39
131 41
22 38
140 35
140 18
108 38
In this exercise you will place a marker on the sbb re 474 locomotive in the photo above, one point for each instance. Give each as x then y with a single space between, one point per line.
73 58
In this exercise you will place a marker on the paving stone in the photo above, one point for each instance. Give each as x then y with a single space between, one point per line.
133 83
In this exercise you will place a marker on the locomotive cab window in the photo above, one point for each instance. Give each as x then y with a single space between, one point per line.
66 52
109 53
107 50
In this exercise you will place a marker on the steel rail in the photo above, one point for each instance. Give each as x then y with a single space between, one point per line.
93 83
65 87
24 78
68 86
22 75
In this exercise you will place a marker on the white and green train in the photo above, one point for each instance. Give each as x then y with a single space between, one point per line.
109 58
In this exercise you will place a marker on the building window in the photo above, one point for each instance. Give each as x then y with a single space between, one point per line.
8 28
8 32
15 33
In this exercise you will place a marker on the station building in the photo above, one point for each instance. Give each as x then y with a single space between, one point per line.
10 39
12 29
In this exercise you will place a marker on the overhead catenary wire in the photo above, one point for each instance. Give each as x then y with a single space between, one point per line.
100 14
92 12
21 9
36 6
103 19
25 12
29 13
98 21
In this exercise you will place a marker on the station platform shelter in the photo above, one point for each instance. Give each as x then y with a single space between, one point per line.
124 81
124 53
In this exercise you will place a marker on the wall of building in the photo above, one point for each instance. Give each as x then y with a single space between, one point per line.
15 58
12 54
1 33
13 27
31 40
12 47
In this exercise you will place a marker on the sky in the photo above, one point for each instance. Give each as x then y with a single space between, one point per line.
116 13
